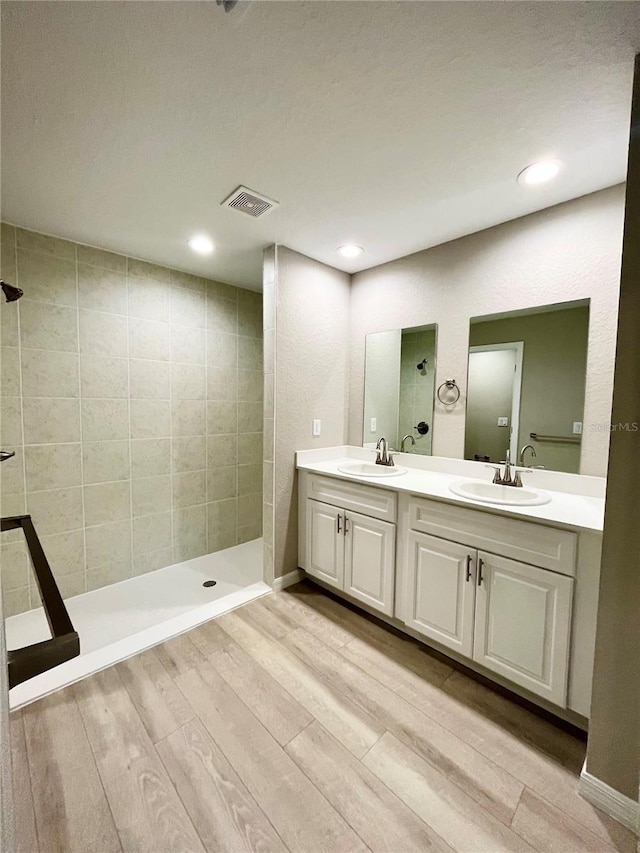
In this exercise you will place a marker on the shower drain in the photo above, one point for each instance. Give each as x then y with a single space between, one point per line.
209 583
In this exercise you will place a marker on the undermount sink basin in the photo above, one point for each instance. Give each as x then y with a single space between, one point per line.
491 493
370 469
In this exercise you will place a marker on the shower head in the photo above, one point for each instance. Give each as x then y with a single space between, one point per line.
11 293
422 365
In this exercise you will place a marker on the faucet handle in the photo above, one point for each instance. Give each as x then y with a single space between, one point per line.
497 479
517 479
382 448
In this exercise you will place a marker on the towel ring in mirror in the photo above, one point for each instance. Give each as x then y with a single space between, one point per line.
451 391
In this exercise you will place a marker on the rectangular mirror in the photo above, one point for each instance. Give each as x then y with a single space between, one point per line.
398 388
525 386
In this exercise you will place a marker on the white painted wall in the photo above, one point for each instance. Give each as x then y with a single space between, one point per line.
567 252
322 317
311 368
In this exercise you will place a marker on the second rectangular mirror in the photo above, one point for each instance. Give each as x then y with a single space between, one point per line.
398 388
525 388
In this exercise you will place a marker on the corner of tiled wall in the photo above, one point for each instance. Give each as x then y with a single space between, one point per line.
132 394
269 320
13 557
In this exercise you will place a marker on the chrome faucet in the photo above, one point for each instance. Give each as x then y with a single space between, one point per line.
506 479
524 449
411 439
383 457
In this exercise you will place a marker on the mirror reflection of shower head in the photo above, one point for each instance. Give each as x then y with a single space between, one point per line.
11 293
423 365
230 5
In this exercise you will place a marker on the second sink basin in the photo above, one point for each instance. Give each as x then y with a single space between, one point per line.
491 493
370 469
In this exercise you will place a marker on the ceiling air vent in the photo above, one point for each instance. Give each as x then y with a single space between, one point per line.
249 202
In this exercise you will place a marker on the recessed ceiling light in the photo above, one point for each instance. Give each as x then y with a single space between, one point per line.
350 251
201 244
540 172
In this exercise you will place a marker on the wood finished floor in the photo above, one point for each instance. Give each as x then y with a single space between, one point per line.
295 724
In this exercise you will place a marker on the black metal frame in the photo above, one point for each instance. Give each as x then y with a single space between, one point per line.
64 644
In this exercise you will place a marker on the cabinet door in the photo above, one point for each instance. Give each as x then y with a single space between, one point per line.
523 620
325 543
370 550
440 591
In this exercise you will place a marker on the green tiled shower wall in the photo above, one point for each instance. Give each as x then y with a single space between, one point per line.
416 386
132 395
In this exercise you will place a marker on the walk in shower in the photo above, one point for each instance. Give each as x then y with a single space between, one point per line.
132 397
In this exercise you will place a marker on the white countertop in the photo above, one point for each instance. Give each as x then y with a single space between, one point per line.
567 508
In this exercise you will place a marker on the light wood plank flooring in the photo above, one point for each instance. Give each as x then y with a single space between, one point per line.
295 724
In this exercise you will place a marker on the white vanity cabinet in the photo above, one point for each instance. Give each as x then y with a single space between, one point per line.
523 624
509 616
369 561
325 546
349 539
502 593
440 599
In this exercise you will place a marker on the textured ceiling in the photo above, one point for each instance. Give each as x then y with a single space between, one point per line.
396 126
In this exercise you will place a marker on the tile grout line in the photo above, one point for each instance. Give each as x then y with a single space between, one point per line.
131 548
235 542
171 435
21 384
297 734
361 758
272 492
206 417
21 388
524 788
80 406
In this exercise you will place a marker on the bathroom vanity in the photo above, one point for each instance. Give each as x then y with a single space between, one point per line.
509 590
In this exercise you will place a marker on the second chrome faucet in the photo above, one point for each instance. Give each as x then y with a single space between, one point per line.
383 454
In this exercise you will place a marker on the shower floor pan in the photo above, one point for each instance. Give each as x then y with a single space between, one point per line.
120 620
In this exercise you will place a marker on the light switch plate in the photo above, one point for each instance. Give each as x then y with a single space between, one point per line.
503 421
374 424
316 426
577 427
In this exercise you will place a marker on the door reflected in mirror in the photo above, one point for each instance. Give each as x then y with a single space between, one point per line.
525 386
399 388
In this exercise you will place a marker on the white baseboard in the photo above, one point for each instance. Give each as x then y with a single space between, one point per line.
287 580
625 810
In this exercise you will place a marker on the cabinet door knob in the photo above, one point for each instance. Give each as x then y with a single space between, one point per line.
480 568
468 567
